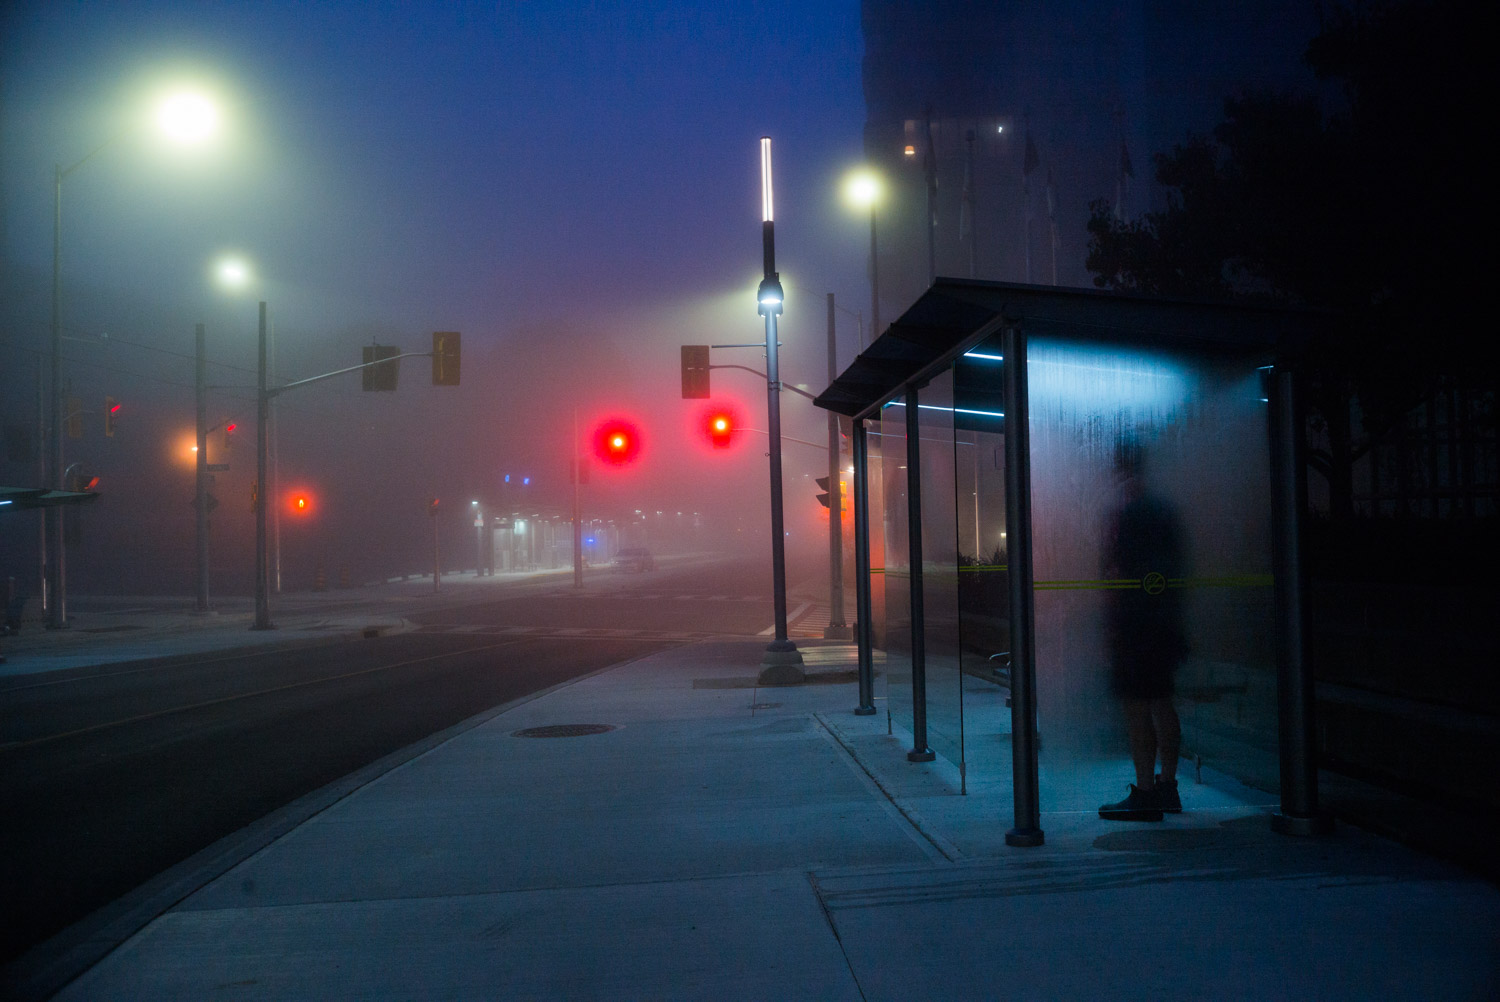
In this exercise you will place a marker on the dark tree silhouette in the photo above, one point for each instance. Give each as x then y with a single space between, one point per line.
1371 210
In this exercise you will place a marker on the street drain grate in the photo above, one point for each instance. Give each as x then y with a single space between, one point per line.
562 731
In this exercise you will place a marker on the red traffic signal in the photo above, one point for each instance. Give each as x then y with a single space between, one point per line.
617 442
720 429
299 503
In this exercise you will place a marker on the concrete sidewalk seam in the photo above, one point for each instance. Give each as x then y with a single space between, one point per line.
812 880
934 846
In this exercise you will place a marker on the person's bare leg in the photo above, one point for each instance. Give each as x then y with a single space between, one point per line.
1168 730
1142 742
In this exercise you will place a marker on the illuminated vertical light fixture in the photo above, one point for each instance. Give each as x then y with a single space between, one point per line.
186 118
863 190
782 663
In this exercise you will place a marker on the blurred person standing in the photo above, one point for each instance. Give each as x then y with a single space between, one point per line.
1143 554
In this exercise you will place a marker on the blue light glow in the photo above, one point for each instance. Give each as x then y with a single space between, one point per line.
987 358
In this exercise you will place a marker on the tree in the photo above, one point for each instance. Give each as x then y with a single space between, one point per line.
1371 211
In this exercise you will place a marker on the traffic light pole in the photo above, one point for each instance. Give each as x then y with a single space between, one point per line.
837 629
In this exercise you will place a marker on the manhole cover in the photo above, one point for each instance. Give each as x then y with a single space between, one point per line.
562 730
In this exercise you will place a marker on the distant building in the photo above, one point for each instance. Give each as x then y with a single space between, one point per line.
1021 114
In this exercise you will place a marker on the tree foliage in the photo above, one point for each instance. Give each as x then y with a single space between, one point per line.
1370 209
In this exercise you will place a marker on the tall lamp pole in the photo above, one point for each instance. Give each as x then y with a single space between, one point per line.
782 664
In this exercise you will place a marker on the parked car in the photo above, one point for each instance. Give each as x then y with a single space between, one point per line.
634 558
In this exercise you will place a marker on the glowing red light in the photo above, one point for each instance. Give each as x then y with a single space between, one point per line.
720 429
617 442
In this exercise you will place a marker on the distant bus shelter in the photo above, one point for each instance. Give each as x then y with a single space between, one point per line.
997 429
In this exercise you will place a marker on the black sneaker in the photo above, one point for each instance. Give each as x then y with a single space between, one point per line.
1166 796
1139 805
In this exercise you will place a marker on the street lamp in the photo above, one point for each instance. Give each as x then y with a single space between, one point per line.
862 189
185 117
234 274
782 661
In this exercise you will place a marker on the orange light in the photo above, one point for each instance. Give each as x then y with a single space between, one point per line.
911 151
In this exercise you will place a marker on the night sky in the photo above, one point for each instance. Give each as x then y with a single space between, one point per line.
573 187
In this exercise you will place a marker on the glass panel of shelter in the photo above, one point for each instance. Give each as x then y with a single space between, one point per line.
895 638
983 589
937 449
1151 542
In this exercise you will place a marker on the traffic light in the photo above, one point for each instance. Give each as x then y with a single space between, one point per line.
74 418
617 442
300 503
823 499
445 358
695 372
229 429
384 376
432 507
111 410
720 429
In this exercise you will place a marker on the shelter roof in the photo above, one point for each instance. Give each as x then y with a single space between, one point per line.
955 315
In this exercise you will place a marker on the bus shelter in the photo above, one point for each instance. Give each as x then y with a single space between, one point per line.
998 430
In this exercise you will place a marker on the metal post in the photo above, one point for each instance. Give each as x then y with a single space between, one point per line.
437 563
1023 736
577 521
930 163
874 280
55 596
837 629
919 750
43 579
864 628
479 543
1299 813
263 495
200 495
782 663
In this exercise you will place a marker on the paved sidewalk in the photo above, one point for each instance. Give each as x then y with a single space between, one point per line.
717 840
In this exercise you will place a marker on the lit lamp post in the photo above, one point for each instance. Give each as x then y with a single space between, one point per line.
862 190
186 118
233 274
782 664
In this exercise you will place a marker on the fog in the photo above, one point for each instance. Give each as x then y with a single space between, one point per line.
578 196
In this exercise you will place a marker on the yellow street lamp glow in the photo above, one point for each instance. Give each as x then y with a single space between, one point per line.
862 189
187 117
232 272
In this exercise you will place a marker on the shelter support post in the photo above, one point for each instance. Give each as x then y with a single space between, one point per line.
1028 828
1299 814
864 633
919 750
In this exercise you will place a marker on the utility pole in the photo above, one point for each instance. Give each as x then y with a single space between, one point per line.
577 518
782 664
837 629
262 488
200 495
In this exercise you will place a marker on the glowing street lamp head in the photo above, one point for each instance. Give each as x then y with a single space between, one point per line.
187 117
862 189
232 272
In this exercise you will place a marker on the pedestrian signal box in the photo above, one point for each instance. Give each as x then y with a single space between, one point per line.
445 358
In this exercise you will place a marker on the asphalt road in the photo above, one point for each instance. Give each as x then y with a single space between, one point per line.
110 775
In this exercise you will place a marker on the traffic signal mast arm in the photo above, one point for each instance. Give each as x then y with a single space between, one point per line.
273 391
762 375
